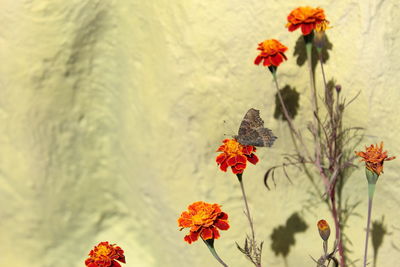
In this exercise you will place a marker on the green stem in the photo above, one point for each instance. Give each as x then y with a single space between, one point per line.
371 190
210 245
314 91
314 102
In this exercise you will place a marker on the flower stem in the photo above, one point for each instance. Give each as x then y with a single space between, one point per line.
314 102
314 91
257 263
210 245
239 175
371 190
284 109
288 118
322 70
338 234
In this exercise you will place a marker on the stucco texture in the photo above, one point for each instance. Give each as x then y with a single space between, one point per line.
111 112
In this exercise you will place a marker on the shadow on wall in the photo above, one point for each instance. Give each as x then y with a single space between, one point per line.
301 54
289 94
282 236
291 99
378 231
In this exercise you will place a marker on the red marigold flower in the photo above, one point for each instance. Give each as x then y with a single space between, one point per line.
374 158
204 220
272 52
235 155
308 19
324 229
105 255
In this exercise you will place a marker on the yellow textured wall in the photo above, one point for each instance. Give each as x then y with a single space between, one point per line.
111 112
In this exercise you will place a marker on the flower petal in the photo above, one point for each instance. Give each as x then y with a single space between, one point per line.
293 27
115 264
306 28
276 59
221 224
207 233
122 259
188 239
194 236
224 166
231 161
258 60
252 159
267 62
240 166
236 171
220 158
215 233
223 216
241 159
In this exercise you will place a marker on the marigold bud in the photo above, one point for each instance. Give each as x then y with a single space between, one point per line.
324 230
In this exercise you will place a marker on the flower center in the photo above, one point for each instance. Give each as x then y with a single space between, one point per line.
199 218
102 251
269 47
233 147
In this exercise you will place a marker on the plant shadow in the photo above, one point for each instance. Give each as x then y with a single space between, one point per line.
282 236
291 99
378 232
301 54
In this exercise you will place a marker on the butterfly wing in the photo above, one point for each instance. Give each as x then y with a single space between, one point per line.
252 131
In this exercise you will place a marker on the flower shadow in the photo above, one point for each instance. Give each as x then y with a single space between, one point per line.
282 236
291 99
301 54
378 232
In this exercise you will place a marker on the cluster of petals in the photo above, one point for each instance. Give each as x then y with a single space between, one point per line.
308 19
105 255
235 155
204 220
272 53
374 156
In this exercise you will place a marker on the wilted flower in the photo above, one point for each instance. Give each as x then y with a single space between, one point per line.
324 229
105 255
235 155
374 158
204 220
272 52
308 19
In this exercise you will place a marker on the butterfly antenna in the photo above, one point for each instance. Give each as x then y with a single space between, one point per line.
228 129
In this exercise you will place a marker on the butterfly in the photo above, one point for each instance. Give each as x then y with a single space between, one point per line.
252 131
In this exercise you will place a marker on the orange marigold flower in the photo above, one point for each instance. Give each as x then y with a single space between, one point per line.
374 158
204 220
235 155
308 19
272 52
324 229
105 255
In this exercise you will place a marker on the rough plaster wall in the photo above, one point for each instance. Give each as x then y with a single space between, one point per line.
111 112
